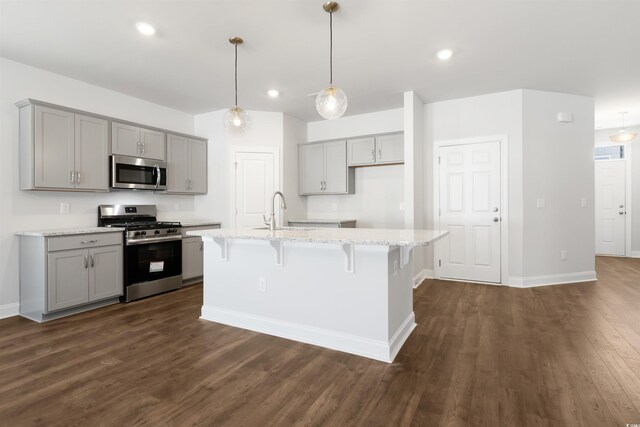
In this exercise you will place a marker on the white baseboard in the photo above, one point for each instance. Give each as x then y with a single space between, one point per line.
635 254
361 346
422 275
554 279
9 310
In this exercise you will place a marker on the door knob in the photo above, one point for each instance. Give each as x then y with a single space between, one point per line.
621 206
495 209
496 219
621 213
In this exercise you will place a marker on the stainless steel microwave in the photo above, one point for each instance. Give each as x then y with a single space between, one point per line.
134 173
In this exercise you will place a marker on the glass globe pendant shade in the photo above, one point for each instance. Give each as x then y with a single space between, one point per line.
331 102
623 137
236 119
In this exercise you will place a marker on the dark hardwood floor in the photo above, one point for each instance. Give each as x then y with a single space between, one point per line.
481 355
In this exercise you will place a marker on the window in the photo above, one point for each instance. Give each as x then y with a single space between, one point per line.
609 152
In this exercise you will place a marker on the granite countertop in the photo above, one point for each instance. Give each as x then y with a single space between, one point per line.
321 221
198 223
70 231
357 236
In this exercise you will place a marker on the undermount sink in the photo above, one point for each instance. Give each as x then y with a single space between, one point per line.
286 228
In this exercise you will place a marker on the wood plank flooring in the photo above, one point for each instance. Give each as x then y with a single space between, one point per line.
481 356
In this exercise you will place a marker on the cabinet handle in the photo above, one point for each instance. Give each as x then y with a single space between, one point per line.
379 153
86 263
86 242
373 154
201 246
77 177
71 177
91 256
321 185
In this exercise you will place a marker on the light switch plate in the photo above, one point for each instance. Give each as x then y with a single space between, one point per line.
583 202
402 206
262 284
64 208
540 204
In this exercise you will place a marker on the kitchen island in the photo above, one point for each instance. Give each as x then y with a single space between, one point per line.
348 289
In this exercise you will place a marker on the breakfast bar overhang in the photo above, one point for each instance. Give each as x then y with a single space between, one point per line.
345 289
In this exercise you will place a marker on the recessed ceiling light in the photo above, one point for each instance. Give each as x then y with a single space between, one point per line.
444 54
145 29
273 93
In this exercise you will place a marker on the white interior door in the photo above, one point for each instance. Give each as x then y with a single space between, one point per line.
610 207
254 187
470 209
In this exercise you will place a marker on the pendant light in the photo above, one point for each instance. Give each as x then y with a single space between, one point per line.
236 119
622 135
331 102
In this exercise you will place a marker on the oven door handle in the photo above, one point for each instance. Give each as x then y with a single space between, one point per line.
153 240
158 174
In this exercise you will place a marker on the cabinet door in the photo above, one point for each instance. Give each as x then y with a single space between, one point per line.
191 257
125 139
197 166
54 148
105 272
311 168
67 279
390 148
361 151
91 153
152 144
177 164
335 167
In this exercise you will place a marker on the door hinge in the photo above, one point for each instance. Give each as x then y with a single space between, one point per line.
439 211
439 159
439 263
235 165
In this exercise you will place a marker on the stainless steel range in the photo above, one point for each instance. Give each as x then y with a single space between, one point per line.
153 249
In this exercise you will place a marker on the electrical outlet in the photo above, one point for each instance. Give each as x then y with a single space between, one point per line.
583 202
64 208
563 255
176 207
262 284
402 206
395 267
540 204
334 207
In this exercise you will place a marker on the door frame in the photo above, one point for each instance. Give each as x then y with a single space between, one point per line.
628 178
504 199
277 175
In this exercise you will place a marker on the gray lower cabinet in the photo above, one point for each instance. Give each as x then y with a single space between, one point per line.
192 253
186 165
350 223
62 150
63 275
135 141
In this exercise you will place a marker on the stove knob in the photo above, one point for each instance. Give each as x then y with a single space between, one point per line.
156 232
137 233
144 233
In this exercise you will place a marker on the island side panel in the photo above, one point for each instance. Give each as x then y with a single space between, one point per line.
310 298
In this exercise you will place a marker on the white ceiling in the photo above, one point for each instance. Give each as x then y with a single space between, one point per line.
381 49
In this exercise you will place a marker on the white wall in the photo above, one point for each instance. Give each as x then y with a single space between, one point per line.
602 138
22 210
494 114
558 167
266 129
386 121
379 189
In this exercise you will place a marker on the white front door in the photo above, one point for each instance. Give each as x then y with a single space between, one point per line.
470 210
254 187
610 207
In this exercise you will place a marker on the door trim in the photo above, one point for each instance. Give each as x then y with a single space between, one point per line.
504 198
277 175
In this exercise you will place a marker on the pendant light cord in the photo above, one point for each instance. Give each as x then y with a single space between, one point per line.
331 48
236 74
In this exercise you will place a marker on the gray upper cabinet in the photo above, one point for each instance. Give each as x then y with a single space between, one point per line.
323 169
129 140
377 150
186 165
361 151
61 150
91 153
